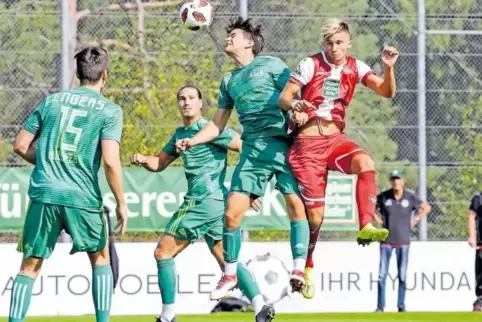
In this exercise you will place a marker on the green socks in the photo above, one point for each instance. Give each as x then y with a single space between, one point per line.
231 244
247 282
231 247
102 290
299 239
167 278
20 300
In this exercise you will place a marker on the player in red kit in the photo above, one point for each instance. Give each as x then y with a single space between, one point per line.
327 81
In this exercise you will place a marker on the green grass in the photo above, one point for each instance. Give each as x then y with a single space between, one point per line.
242 317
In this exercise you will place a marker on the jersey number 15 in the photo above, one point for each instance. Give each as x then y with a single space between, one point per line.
67 126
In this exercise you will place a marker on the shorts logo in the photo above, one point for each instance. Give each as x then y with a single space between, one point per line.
373 199
301 188
182 232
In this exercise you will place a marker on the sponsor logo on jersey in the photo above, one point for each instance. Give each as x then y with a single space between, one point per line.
347 70
256 73
331 88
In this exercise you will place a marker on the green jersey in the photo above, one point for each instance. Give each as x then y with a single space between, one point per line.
205 164
70 126
254 90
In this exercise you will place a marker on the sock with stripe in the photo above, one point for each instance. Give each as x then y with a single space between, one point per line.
231 248
20 300
299 239
167 278
102 290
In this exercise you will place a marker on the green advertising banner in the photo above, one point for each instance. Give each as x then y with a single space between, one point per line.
152 198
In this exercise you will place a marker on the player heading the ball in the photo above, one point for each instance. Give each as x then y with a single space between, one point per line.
254 88
327 81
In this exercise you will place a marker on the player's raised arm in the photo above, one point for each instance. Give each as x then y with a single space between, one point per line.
155 163
385 86
158 163
210 131
302 74
229 139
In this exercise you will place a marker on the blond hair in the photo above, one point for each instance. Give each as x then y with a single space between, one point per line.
333 26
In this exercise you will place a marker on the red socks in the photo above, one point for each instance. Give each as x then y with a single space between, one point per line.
314 234
366 197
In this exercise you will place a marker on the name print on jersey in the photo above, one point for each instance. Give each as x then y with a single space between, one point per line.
78 100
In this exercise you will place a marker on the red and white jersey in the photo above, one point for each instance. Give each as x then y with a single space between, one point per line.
329 87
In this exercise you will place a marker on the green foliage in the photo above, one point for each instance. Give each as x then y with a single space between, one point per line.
151 56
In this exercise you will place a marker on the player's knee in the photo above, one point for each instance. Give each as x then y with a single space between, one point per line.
31 268
232 219
362 163
100 258
161 253
315 216
295 208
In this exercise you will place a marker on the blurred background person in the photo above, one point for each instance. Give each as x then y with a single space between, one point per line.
397 207
475 241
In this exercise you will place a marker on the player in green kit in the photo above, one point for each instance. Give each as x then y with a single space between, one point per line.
74 129
202 212
254 88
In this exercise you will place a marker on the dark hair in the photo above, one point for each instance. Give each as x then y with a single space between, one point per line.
199 94
250 31
91 64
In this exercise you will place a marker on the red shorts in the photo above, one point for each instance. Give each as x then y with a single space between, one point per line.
311 157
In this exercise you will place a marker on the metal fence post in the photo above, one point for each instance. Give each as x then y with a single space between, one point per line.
421 100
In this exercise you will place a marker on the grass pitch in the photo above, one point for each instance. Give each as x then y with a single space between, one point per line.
242 317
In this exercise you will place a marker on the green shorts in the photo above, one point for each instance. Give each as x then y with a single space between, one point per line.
45 222
260 160
197 219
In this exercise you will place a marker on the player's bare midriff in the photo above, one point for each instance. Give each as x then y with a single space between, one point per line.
318 127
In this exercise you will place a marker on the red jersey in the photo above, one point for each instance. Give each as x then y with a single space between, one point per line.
329 87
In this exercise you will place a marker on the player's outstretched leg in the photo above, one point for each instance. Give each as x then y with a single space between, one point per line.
22 289
167 248
366 192
299 239
247 284
102 284
238 204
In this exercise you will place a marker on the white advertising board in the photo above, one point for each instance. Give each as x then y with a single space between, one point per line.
440 278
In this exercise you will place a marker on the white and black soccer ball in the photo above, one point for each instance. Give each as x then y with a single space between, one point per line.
272 275
196 14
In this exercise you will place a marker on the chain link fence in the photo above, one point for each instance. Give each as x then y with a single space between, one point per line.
151 56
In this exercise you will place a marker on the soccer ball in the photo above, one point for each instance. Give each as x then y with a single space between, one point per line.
272 276
196 14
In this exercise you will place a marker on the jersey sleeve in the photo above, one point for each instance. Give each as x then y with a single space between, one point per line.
363 71
475 203
225 138
170 147
225 101
281 73
33 123
416 202
303 72
112 128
